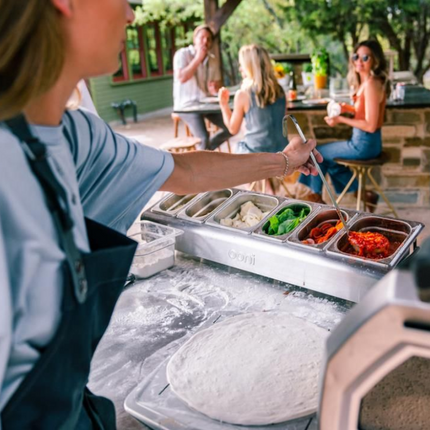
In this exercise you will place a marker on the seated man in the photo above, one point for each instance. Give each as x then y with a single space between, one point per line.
197 76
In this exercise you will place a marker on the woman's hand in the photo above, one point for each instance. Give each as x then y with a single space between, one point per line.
347 108
224 96
299 156
333 121
213 87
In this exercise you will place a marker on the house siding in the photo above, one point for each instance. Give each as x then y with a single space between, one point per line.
149 95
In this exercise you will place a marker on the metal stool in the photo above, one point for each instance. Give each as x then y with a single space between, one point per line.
176 120
363 169
181 144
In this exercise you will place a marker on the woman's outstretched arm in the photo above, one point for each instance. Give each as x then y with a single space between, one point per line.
200 171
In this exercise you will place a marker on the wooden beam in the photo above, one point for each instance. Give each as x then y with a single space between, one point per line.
292 58
210 8
215 18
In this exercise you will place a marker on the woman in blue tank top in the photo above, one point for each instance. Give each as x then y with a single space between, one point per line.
261 101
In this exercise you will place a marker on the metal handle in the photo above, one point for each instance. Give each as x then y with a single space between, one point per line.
314 161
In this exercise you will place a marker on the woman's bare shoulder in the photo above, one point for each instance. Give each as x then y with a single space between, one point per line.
374 83
241 94
241 98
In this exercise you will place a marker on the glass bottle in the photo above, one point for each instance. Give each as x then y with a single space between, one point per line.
292 92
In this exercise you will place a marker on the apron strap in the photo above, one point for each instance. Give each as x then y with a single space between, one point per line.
56 199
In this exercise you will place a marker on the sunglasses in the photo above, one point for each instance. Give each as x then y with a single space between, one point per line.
364 58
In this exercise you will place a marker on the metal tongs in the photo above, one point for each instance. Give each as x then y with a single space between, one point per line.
315 163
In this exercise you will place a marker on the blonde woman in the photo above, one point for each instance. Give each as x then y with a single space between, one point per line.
60 273
261 101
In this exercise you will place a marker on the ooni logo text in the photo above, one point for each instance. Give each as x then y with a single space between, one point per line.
241 257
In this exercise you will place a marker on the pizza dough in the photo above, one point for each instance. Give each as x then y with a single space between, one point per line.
252 369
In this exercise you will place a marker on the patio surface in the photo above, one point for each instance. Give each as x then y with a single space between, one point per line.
156 128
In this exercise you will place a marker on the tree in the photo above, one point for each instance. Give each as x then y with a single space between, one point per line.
339 19
261 22
169 12
404 24
254 21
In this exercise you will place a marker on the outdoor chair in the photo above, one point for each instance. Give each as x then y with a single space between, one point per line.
275 184
176 120
182 144
363 170
120 109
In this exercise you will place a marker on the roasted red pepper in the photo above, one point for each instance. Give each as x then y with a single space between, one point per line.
369 244
323 233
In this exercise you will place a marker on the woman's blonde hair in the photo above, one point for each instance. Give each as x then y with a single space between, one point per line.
260 75
379 65
31 52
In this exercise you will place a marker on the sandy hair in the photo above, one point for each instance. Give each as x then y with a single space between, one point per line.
31 52
199 28
261 78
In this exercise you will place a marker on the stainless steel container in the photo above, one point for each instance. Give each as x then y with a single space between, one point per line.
264 202
329 271
397 231
261 231
322 215
173 204
199 210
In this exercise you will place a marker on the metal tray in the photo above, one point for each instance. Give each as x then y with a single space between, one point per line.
172 204
322 215
261 230
404 232
263 202
201 209
329 271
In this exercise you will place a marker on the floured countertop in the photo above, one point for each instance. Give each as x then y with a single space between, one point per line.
155 312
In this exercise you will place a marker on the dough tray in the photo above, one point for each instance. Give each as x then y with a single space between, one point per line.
153 403
325 268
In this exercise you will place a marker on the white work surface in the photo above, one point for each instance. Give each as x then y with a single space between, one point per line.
154 314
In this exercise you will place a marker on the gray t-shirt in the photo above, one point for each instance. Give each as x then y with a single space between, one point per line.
107 177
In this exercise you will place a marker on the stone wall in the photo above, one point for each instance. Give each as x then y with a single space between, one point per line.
406 138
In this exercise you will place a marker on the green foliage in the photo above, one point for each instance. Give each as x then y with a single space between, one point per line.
319 59
288 68
286 221
299 26
169 12
403 25
252 22
308 68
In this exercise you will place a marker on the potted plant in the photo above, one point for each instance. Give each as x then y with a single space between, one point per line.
282 74
307 75
319 59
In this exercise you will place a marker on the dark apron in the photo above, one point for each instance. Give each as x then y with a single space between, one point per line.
53 395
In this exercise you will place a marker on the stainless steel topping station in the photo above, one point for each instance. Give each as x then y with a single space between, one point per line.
327 268
155 317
